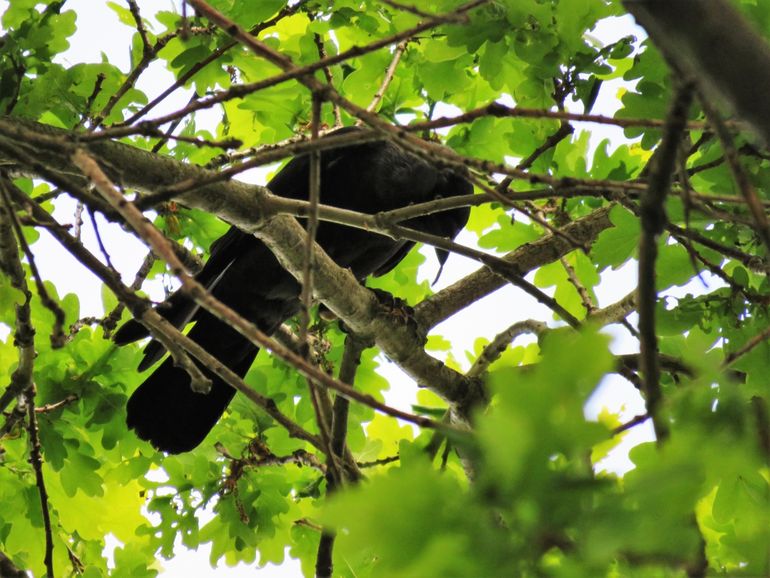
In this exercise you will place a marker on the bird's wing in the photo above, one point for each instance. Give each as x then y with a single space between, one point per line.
179 309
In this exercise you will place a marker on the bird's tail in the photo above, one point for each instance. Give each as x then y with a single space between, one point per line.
165 411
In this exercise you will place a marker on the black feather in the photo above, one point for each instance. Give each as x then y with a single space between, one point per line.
244 274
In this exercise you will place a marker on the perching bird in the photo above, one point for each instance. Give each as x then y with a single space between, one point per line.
244 274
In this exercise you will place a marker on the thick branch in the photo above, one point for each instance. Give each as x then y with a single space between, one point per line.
245 207
653 217
339 290
526 258
129 167
723 51
24 336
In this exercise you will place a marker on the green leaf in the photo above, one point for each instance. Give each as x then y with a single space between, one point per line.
508 235
674 266
617 244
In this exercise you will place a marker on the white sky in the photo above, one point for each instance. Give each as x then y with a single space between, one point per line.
98 31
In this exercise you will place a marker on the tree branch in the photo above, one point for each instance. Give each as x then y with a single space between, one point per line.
24 335
389 75
500 343
722 51
526 258
36 459
351 359
653 223
245 207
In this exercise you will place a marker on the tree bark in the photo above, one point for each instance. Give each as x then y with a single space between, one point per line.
710 41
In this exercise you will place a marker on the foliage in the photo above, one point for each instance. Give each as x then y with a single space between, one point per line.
694 503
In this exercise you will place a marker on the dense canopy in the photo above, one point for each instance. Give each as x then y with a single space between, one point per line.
611 280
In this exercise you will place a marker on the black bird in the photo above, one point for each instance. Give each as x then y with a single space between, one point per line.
243 273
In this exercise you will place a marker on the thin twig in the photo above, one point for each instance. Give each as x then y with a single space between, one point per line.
751 262
134 9
110 321
565 130
585 296
668 363
19 71
319 398
499 344
495 109
633 422
49 407
535 215
291 72
389 75
406 8
717 270
36 459
319 43
98 235
213 56
495 264
148 54
350 360
87 109
525 259
380 462
314 200
258 455
746 347
167 134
